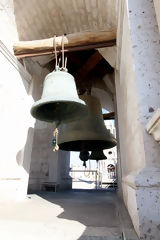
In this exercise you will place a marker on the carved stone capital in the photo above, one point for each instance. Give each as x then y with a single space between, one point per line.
153 126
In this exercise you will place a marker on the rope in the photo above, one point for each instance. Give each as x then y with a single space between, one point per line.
65 66
59 61
84 164
63 52
55 51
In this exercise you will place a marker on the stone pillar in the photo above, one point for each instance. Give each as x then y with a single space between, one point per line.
44 160
153 126
65 180
138 96
47 165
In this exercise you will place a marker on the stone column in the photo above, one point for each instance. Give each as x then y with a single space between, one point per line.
65 180
138 97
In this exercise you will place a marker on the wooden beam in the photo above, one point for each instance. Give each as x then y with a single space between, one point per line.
88 66
75 58
109 116
72 42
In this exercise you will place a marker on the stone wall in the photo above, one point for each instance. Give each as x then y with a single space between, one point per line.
137 89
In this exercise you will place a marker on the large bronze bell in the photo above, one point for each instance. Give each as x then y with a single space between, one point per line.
97 155
59 101
87 134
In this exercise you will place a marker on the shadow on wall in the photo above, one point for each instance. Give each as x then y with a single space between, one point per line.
23 157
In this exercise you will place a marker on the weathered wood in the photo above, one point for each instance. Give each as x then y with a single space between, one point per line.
88 66
109 116
72 42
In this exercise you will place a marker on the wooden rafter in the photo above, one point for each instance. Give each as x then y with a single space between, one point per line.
72 42
88 66
109 116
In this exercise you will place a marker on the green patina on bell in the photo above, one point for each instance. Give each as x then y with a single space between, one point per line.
97 155
89 133
59 101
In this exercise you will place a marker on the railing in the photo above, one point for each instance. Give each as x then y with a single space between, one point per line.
89 177
92 179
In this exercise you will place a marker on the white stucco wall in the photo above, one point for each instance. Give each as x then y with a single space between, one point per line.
16 127
16 124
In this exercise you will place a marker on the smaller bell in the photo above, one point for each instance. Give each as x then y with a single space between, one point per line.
84 156
97 155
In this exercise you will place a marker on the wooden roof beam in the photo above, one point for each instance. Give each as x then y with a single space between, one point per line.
93 60
72 42
109 116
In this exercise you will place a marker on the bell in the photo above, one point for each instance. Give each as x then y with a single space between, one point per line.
97 155
84 156
59 101
87 134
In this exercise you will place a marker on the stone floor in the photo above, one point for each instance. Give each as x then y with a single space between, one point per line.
88 215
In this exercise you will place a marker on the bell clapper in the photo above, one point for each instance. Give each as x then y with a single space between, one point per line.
55 134
87 175
84 164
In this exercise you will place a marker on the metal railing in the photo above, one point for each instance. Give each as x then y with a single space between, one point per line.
94 179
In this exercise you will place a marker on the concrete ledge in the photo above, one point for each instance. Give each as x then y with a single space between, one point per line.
153 126
145 178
